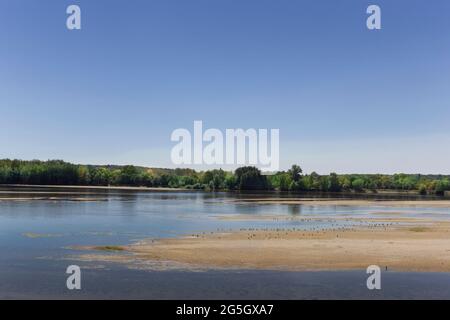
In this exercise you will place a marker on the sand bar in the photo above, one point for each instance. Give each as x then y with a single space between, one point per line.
419 247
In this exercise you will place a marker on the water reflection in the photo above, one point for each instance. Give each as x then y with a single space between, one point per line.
65 217
295 209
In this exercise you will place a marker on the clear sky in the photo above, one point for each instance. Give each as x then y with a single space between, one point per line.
345 99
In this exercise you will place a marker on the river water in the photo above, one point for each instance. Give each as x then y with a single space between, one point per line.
39 225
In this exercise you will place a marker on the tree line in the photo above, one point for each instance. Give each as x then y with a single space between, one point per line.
58 172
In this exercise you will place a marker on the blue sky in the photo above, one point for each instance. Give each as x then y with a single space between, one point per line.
345 99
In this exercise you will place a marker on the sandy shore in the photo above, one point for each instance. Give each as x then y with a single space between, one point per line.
68 193
414 247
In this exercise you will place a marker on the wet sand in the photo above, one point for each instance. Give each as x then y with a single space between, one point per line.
348 202
388 217
93 187
12 199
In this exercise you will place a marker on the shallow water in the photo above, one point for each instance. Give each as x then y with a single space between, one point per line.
35 236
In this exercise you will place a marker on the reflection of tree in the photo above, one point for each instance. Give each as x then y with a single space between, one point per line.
295 209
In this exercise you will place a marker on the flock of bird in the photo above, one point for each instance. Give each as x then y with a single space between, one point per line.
329 225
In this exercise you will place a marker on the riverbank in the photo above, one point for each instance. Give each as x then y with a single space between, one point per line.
93 187
342 195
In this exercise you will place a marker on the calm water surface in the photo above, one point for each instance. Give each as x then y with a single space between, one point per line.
35 236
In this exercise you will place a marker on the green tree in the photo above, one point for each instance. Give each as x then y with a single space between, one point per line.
285 181
250 178
295 172
358 184
129 175
334 183
101 177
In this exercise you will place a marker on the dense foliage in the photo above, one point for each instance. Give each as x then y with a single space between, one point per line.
56 172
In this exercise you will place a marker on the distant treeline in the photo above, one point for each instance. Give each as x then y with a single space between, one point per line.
57 172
